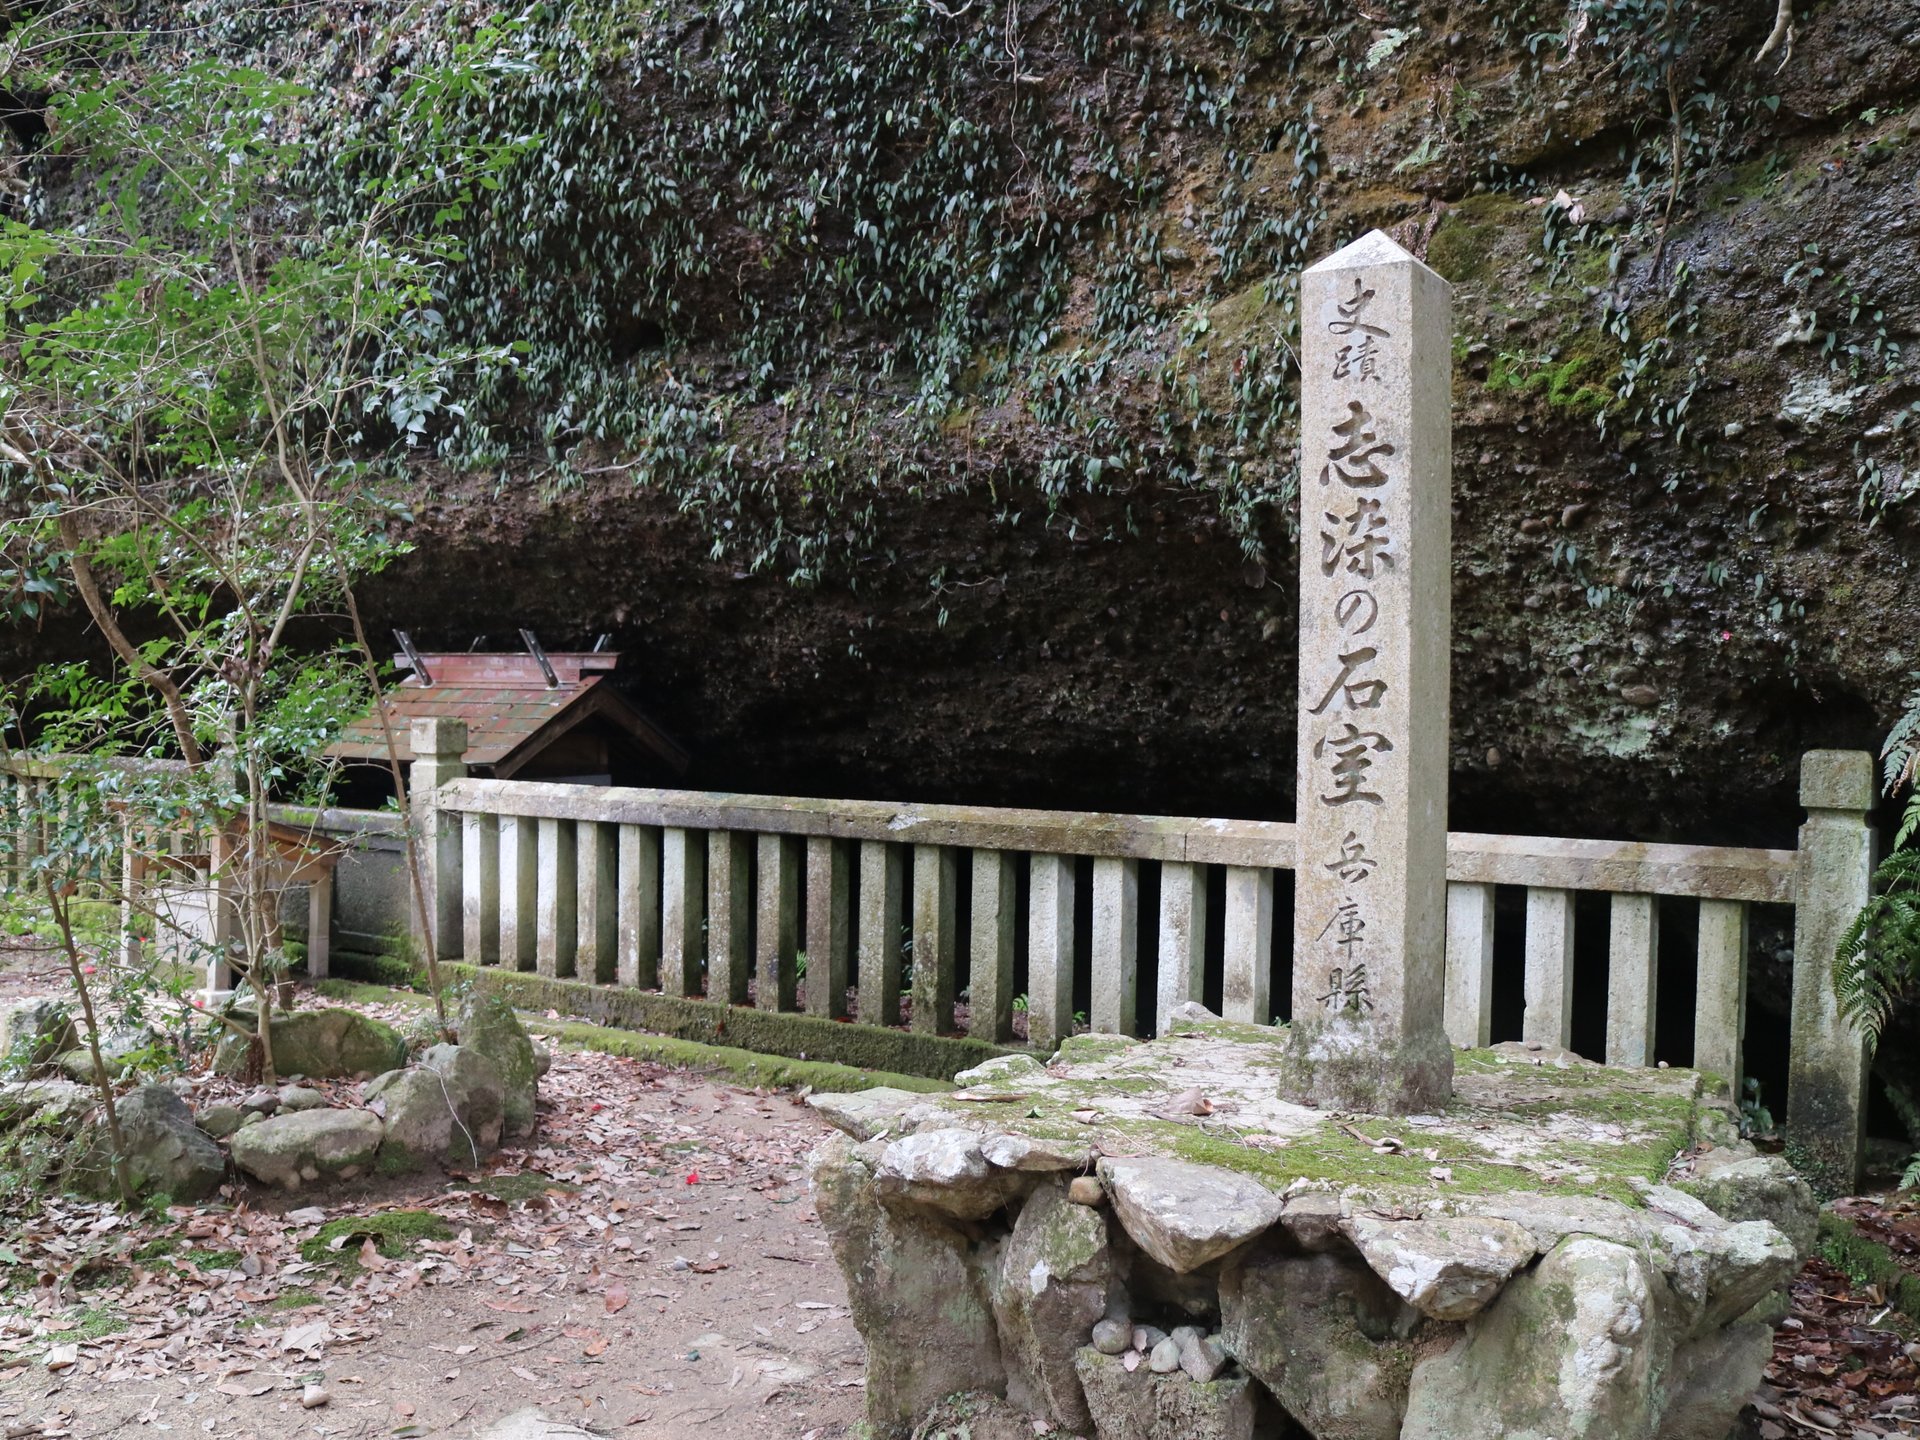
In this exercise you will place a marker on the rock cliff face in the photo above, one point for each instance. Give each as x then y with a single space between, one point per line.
1685 427
917 403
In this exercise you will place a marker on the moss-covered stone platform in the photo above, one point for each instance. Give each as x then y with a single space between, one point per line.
1143 1242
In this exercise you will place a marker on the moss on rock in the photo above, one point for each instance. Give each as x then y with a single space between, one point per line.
796 1036
393 1232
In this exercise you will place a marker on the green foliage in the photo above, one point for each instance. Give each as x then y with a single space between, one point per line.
759 259
1879 957
1558 380
207 378
393 1233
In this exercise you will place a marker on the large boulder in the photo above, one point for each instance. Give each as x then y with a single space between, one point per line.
1140 1405
293 1150
448 1110
1447 1268
166 1153
918 1289
1055 1273
1326 1335
35 1033
1758 1187
1183 1214
119 1045
487 1025
322 1044
1572 1350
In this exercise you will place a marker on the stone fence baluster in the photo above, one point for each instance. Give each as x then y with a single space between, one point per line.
882 915
829 926
1116 942
438 746
683 898
990 980
519 892
1633 967
1720 1007
638 959
935 963
1050 952
778 940
1246 984
1548 1019
597 899
1183 939
557 859
1469 992
480 883
729 918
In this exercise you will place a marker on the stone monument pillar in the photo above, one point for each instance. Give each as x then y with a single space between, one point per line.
1370 897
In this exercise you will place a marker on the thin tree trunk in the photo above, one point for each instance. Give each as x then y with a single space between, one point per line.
102 614
102 1081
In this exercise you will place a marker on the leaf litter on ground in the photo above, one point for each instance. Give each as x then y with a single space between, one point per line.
596 1202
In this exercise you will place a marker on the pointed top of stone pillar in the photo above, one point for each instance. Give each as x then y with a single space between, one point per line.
1376 247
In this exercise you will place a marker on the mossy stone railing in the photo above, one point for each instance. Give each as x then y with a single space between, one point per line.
788 904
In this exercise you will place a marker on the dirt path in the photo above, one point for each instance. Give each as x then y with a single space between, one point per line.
651 1266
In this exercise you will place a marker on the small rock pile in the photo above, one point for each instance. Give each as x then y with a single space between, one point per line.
453 1106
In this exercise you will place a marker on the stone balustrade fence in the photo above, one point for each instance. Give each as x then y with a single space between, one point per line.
720 896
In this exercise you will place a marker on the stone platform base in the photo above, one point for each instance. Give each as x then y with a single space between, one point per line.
1139 1242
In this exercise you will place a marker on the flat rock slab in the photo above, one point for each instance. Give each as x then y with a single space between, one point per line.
1571 1130
1446 1269
1023 1152
866 1114
945 1170
1183 1214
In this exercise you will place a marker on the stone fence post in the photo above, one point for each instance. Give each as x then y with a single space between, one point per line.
1827 1071
439 747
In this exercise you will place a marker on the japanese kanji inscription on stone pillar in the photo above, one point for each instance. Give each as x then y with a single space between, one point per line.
1370 901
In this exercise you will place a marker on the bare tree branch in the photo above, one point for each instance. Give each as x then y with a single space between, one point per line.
1781 37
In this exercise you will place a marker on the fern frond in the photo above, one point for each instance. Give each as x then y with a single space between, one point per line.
1878 960
1901 753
